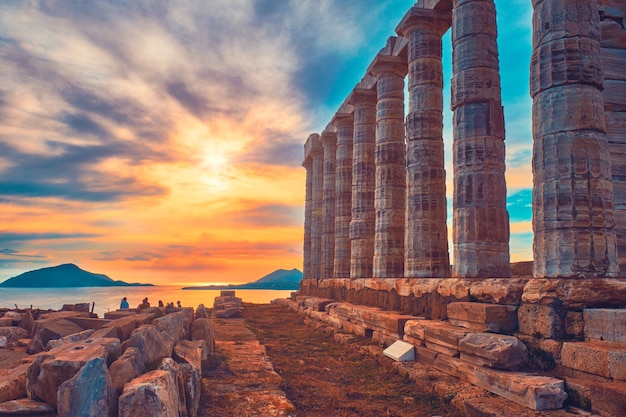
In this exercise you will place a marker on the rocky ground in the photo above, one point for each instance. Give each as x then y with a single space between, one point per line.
324 378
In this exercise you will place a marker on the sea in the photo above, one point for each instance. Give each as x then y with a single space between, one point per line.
108 298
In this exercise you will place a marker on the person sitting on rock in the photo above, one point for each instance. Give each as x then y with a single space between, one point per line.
144 304
124 304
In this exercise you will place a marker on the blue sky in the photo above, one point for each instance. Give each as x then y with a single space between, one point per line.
161 141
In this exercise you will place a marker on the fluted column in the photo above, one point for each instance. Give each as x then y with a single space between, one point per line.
329 143
314 154
308 210
390 193
363 221
344 123
426 240
480 218
573 218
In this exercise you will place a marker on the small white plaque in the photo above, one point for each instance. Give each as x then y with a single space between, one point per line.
400 351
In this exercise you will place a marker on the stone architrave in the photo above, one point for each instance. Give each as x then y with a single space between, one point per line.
363 183
314 164
329 143
480 218
426 240
573 219
390 192
344 123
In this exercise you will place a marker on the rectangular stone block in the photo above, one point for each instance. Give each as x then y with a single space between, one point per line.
425 356
608 399
613 94
494 351
538 320
606 359
443 337
370 317
400 351
414 331
483 317
535 392
605 324
316 304
89 323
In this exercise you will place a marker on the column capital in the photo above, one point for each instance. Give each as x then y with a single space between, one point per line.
312 148
340 119
361 96
329 137
388 64
436 21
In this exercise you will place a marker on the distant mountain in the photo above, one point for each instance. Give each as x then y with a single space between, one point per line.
66 275
281 279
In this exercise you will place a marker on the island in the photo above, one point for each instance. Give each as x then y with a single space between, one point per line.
62 276
281 279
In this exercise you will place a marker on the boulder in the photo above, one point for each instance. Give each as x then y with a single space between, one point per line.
76 337
27 322
127 367
50 329
124 326
169 365
25 406
50 369
153 343
152 394
192 379
13 383
174 324
13 334
201 330
88 393
191 352
201 312
494 350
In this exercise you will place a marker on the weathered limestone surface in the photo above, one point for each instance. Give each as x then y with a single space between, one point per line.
50 369
494 351
344 123
25 406
605 324
201 330
153 344
390 194
127 367
329 142
88 393
426 239
13 383
13 334
363 219
152 394
125 325
534 392
480 218
573 222
76 337
607 359
608 399
576 294
483 317
541 320
49 329
226 306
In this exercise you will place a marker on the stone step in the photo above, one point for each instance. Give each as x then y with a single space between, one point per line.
371 317
532 391
607 359
494 351
435 335
315 303
483 317
605 324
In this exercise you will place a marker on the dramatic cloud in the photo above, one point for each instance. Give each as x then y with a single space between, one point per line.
148 135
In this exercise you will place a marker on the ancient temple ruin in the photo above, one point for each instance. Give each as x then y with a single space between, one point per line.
375 221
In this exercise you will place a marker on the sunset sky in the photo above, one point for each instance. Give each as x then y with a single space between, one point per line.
162 141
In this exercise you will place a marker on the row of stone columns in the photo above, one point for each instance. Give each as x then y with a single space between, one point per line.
384 194
383 188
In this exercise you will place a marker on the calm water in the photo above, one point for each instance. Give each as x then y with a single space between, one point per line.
108 298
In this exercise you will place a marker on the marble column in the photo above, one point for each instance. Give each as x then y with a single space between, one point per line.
573 219
390 192
480 218
363 183
344 123
314 163
426 240
329 143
